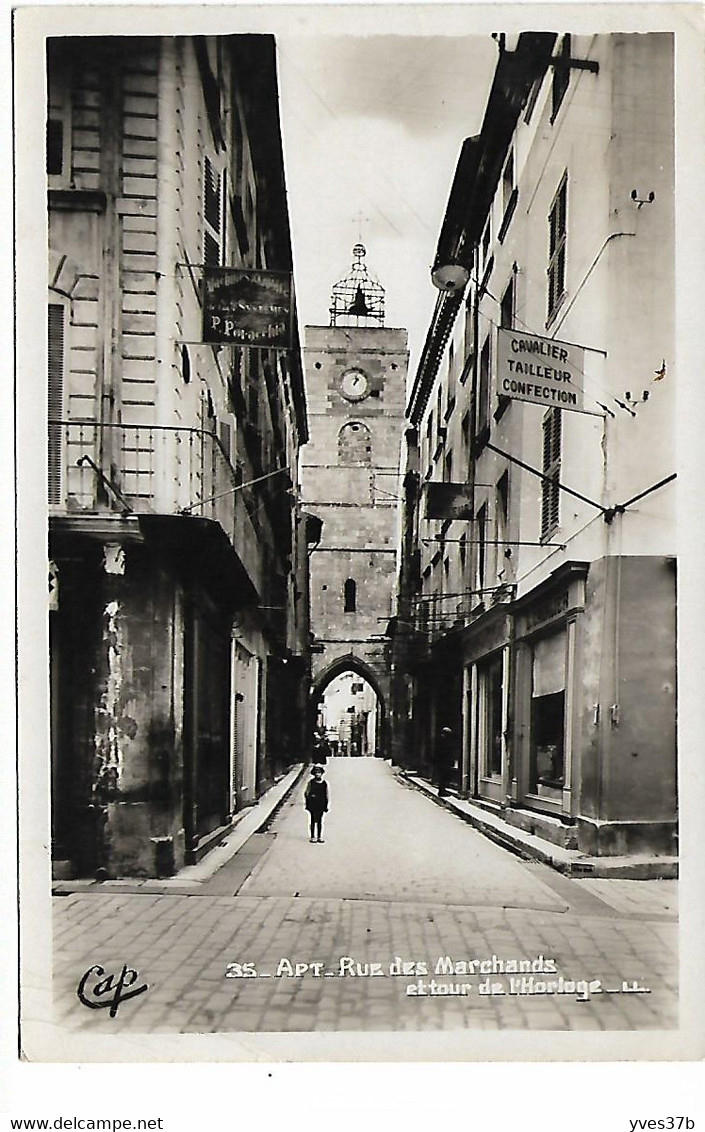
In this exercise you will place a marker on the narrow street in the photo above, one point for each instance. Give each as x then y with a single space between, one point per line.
489 941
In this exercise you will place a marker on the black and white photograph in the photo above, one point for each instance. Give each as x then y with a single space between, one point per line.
350 531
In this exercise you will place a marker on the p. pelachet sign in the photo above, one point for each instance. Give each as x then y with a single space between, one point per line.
247 307
540 370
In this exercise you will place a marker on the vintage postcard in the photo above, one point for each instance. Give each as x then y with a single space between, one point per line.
357 695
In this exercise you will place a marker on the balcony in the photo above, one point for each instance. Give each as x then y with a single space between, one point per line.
150 470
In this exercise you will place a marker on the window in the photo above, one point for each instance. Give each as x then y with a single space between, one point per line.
465 435
486 240
557 231
508 181
56 348
502 506
510 196
506 313
350 596
213 215
483 392
532 99
481 548
561 76
550 491
448 467
429 431
506 321
439 415
463 548
354 444
225 437
468 337
58 127
547 762
490 721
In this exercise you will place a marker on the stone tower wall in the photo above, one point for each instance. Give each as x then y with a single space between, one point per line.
355 497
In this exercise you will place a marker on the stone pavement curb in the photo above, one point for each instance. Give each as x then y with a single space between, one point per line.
570 862
253 820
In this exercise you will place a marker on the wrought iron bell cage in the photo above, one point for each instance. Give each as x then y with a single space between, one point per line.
358 298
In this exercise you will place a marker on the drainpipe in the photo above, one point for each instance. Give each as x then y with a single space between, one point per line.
168 227
109 383
467 771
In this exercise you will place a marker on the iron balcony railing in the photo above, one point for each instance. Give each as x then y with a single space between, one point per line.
157 469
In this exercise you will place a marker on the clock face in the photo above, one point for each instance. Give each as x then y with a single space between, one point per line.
355 385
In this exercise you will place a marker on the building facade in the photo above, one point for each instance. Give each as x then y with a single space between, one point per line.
179 593
356 387
541 625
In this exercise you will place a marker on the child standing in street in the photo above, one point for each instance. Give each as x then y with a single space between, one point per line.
316 801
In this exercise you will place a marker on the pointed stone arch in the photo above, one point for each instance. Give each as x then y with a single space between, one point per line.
351 663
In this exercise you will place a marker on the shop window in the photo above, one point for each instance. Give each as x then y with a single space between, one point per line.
350 596
355 444
550 489
557 236
547 762
547 755
490 721
56 347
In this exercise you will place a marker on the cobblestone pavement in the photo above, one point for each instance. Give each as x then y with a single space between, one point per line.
398 879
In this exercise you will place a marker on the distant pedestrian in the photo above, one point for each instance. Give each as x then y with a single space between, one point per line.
445 760
316 801
320 749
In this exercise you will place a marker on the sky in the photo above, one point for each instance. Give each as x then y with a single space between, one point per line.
372 127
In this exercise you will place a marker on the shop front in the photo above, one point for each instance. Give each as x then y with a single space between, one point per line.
486 706
546 699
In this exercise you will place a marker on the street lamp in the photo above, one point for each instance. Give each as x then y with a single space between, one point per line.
449 277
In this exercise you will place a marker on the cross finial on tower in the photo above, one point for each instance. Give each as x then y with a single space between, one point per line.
359 219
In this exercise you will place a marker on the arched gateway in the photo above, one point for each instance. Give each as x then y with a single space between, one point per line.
356 393
378 682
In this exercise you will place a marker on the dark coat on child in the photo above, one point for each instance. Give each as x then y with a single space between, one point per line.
316 796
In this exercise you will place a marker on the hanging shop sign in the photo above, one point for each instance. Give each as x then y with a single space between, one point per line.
540 370
243 307
448 501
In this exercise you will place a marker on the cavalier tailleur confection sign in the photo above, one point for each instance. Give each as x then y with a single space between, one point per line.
548 373
243 307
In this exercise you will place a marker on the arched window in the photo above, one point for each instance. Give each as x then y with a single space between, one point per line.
355 444
350 596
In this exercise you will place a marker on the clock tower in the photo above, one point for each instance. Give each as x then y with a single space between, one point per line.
356 370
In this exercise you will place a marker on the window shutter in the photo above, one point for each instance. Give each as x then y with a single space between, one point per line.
56 397
213 193
211 205
557 234
550 491
55 147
